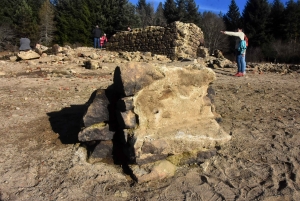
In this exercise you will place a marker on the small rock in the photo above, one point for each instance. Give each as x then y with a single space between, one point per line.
123 194
161 170
13 58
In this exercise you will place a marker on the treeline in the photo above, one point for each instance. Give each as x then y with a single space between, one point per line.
71 21
273 29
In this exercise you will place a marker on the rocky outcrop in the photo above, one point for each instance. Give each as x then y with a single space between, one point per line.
176 40
154 113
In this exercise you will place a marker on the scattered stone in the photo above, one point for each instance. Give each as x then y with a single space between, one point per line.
219 54
40 49
156 171
26 55
92 64
13 58
122 194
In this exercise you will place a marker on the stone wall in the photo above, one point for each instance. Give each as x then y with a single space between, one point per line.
177 40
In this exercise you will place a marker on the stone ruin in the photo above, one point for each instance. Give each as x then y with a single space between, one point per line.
153 119
176 40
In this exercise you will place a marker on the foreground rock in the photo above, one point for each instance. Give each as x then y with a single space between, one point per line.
152 114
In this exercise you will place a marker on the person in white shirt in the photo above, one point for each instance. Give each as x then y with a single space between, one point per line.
240 52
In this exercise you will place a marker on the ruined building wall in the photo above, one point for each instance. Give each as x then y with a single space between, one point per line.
176 40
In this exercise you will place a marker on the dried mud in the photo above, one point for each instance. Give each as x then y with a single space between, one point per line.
41 158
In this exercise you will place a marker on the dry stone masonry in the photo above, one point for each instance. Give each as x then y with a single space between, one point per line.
176 40
152 116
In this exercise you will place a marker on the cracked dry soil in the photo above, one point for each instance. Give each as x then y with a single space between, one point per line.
41 158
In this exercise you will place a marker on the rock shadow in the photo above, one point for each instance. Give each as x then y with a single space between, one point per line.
67 122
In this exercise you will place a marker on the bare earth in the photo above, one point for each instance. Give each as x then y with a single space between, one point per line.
41 158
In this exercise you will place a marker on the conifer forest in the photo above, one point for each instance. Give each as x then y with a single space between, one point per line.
273 28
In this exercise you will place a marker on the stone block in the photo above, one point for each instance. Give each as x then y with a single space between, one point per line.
125 104
126 119
97 111
100 131
102 152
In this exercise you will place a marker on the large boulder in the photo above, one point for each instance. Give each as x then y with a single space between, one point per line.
175 115
154 114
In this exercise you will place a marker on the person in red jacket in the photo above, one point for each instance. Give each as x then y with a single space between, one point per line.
103 40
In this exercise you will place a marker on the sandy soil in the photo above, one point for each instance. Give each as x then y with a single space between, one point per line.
41 158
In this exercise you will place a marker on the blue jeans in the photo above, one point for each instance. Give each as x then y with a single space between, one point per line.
96 42
241 63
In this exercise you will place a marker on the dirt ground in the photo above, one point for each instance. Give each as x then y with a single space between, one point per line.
41 159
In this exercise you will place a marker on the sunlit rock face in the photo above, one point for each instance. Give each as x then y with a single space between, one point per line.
175 115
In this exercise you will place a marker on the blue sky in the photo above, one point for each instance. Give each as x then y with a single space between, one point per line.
216 6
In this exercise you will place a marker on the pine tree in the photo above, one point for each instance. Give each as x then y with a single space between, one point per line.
181 10
145 12
47 25
291 19
170 11
73 22
25 22
7 10
232 18
276 19
115 15
192 13
160 19
141 10
129 17
255 19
